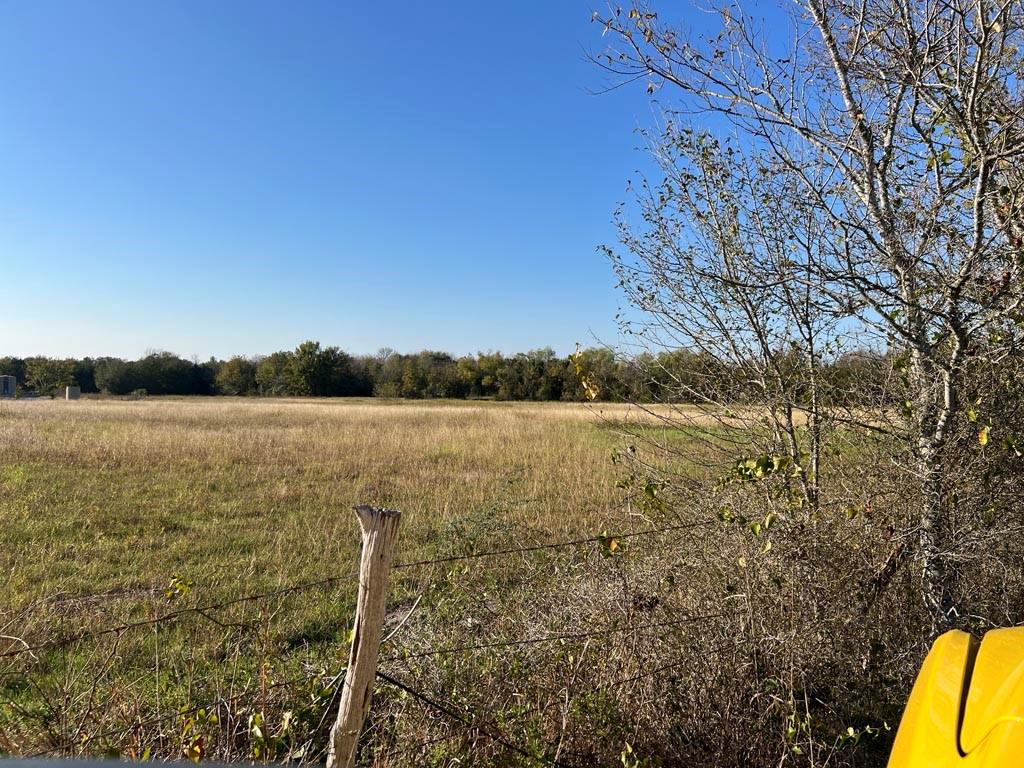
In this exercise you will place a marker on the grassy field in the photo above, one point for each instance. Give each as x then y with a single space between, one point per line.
105 495
118 511
215 539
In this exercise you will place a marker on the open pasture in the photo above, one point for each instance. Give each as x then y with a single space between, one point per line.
117 512
181 579
113 495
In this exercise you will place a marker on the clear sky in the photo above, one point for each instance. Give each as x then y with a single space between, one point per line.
217 178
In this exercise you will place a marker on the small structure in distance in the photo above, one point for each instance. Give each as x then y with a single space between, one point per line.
8 386
72 393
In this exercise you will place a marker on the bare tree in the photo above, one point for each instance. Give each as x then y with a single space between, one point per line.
897 126
721 268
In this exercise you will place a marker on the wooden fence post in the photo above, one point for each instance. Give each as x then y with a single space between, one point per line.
380 531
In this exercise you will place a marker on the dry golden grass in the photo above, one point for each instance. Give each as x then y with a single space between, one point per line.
573 652
102 494
233 497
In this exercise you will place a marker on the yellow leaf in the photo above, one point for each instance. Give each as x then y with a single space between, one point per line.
983 436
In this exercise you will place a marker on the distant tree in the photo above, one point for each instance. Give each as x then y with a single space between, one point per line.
685 375
388 381
115 376
370 367
636 384
84 374
206 376
468 373
323 371
544 374
164 373
513 378
272 374
414 379
360 377
237 377
46 376
489 367
440 375
309 370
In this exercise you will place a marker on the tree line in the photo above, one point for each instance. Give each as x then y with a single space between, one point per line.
314 370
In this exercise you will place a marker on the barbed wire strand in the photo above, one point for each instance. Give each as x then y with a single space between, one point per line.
204 609
469 724
555 545
448 711
200 610
159 719
689 660
554 638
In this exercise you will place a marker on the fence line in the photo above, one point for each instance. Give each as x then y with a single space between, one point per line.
554 638
605 540
203 610
504 741
673 665
556 545
469 724
159 719
419 695
200 610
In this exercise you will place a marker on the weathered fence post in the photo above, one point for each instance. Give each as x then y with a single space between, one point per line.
380 531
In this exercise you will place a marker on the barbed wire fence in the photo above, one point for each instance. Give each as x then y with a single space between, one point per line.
320 684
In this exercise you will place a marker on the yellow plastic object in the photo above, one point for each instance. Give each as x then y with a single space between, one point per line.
967 706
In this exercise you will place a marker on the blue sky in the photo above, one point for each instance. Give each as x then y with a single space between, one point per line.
236 177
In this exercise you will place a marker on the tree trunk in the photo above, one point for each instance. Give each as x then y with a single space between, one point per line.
935 573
